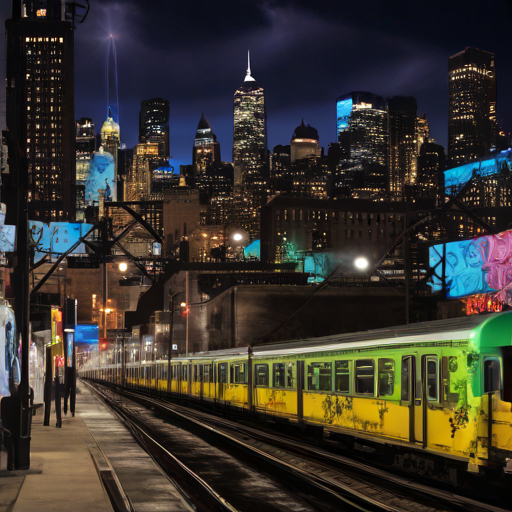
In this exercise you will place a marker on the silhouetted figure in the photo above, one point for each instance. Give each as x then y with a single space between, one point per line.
11 415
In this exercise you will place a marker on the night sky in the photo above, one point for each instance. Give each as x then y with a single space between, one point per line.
305 55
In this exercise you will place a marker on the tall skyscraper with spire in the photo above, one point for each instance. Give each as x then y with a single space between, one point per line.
250 151
40 105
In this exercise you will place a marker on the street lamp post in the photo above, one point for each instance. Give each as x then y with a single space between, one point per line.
171 329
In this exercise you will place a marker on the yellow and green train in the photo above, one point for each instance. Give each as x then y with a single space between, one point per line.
427 393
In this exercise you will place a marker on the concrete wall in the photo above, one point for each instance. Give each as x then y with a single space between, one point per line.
255 314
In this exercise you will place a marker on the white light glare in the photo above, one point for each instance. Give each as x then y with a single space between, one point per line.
123 267
237 237
361 263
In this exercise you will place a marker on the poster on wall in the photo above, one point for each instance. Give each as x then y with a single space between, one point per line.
56 238
10 351
101 180
478 266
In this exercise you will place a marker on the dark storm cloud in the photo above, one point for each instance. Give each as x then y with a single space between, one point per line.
305 54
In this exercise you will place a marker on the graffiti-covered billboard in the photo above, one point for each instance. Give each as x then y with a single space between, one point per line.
480 265
10 351
56 238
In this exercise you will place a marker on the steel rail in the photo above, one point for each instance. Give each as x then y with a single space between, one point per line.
338 489
217 502
452 498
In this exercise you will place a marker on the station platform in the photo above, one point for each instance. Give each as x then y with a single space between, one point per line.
91 463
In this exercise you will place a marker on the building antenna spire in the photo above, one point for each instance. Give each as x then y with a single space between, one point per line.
249 62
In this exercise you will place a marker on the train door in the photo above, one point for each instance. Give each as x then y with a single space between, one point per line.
407 398
300 391
417 419
178 380
201 381
189 387
497 423
222 379
429 398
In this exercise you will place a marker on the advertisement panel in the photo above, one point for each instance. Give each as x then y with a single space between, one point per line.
56 238
478 266
101 180
10 350
87 334
7 238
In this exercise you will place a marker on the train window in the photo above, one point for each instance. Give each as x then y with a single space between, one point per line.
432 379
184 372
206 373
261 375
365 377
196 373
279 377
291 375
320 377
342 377
406 378
492 380
386 377
223 373
238 373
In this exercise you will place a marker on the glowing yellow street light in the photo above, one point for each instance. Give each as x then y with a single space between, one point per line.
123 266
361 263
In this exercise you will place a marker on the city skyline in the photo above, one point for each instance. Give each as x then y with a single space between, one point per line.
203 70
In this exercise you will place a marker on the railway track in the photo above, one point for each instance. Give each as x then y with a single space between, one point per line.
319 479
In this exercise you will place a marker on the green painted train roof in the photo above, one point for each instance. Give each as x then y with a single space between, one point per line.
484 331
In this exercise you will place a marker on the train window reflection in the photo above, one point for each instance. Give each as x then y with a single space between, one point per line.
406 378
223 373
342 377
320 377
206 373
365 377
491 375
291 375
238 373
386 377
261 375
279 377
432 379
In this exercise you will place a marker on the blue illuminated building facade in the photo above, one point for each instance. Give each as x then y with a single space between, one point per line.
456 178
361 125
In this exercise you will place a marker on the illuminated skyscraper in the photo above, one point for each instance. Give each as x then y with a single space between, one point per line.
422 132
206 150
402 152
85 147
472 106
145 160
250 152
431 166
110 140
361 126
40 104
154 124
363 144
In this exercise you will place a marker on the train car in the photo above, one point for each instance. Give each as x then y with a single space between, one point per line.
436 395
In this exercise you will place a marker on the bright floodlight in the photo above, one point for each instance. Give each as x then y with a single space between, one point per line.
123 267
237 237
361 263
